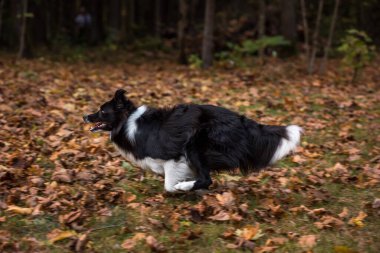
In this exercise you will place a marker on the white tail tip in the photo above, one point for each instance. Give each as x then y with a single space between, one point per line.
288 145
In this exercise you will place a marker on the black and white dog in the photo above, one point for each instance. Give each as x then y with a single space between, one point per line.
187 142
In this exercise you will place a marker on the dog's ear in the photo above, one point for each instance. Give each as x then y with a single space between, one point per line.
119 98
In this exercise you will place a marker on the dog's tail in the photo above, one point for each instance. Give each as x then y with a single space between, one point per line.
268 144
288 143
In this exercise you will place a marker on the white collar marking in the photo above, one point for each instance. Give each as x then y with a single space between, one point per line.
132 124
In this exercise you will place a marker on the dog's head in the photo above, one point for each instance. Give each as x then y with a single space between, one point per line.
111 113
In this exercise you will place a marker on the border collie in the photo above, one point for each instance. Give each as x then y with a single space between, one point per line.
185 143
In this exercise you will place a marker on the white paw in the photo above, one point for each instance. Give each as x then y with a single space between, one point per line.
184 186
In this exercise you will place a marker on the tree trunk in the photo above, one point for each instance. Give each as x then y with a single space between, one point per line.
48 21
181 33
97 21
124 21
288 21
329 40
157 16
207 45
305 30
1 14
24 9
315 37
261 28
131 19
114 20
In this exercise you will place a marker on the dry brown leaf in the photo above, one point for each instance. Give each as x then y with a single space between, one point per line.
62 175
328 221
250 232
19 210
70 217
358 220
221 216
130 243
81 242
266 249
58 235
343 249
226 199
277 241
154 244
298 159
130 197
344 213
307 242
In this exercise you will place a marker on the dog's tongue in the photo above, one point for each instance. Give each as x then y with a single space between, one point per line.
98 126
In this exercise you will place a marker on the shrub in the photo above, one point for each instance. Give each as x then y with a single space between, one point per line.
358 51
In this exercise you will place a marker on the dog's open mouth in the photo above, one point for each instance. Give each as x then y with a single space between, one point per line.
100 126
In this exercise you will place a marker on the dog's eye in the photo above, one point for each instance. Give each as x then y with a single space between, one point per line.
102 112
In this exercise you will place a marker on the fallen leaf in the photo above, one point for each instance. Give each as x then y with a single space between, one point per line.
298 159
307 242
250 232
19 210
221 216
358 220
154 244
130 197
62 175
376 204
82 241
226 199
328 221
266 249
58 235
344 213
343 249
130 243
277 240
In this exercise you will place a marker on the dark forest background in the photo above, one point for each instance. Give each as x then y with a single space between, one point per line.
198 31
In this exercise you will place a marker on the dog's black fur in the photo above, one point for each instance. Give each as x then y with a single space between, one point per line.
210 137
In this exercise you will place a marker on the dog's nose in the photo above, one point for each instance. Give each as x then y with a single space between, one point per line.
85 119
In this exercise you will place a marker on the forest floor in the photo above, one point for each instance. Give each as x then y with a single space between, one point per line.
64 189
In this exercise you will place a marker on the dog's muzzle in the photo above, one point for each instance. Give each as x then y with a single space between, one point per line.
85 119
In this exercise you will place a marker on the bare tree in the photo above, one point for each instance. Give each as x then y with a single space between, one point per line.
207 45
261 28
305 30
181 33
123 20
331 34
288 20
131 18
24 9
1 14
157 16
315 37
114 17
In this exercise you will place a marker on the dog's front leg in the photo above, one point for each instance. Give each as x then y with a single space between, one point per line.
177 172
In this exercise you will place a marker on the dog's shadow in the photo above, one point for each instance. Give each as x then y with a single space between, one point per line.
188 196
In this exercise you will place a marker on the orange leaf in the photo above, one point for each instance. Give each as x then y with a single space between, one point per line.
226 199
58 235
358 220
307 241
19 210
221 216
